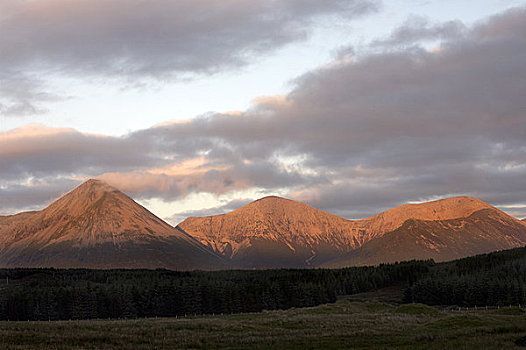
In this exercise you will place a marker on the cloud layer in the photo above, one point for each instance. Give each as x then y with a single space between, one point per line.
356 137
132 40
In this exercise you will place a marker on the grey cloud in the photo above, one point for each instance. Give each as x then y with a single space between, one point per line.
33 195
228 178
506 24
48 154
222 209
19 108
365 135
130 40
365 196
517 212
21 95
35 151
382 107
435 122
417 29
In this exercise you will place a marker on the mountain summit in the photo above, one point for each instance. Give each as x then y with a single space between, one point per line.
97 226
277 232
274 232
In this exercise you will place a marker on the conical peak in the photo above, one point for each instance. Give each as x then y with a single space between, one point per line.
94 188
96 184
96 212
109 228
79 199
92 182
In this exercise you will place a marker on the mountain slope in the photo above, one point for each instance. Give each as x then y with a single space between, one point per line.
483 231
442 209
274 232
97 226
277 232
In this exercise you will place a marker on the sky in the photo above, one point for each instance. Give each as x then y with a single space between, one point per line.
197 107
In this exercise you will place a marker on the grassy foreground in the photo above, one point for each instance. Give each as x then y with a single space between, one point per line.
343 325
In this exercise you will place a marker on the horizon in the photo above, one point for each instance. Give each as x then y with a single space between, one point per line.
197 108
269 196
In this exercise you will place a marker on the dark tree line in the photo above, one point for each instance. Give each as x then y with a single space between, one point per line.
484 280
50 294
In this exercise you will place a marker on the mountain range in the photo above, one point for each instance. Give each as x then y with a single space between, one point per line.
276 232
97 226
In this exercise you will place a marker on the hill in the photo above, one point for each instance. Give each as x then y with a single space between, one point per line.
97 226
483 231
277 232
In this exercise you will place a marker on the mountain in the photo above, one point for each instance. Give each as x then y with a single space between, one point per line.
97 226
442 209
274 232
277 232
483 231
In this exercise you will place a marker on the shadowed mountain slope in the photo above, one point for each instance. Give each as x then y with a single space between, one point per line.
483 231
97 226
277 232
274 232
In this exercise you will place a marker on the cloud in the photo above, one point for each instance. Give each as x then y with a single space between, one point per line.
417 29
38 151
21 95
38 159
354 137
34 194
133 40
216 177
221 209
506 24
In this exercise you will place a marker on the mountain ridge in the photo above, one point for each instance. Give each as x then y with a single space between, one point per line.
307 236
97 226
483 231
292 227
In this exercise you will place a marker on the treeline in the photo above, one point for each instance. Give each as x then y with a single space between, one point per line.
54 294
51 294
484 280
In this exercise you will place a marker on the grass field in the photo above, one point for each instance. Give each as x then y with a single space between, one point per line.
343 325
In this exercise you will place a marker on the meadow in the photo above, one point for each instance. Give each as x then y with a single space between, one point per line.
345 324
471 303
